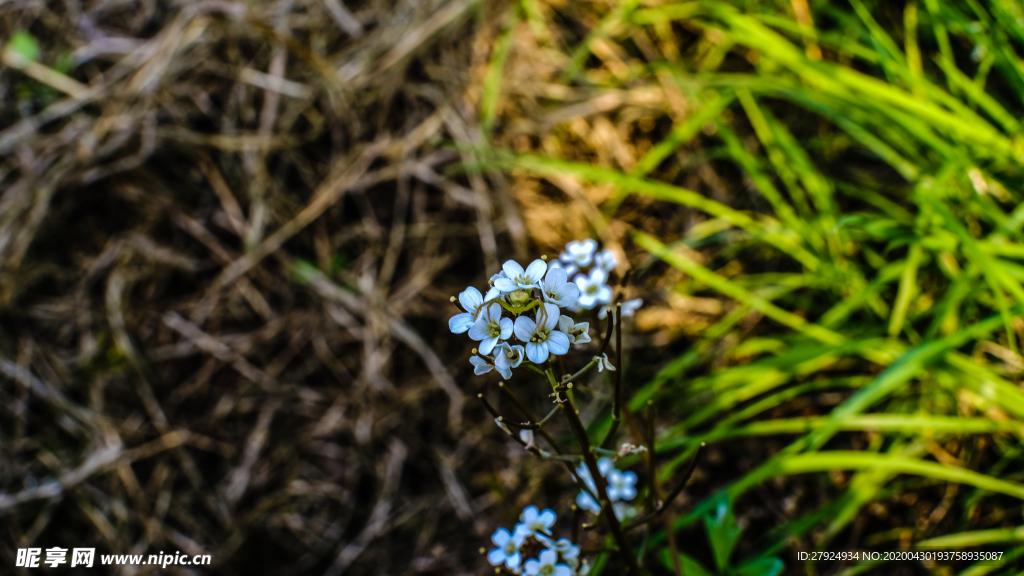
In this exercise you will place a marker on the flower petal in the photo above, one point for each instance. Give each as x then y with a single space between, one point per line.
535 271
480 366
529 514
505 371
524 328
500 537
478 331
488 344
555 277
471 299
460 322
537 353
567 294
604 294
585 501
514 560
565 323
505 285
512 270
496 557
547 517
548 557
549 318
558 343
506 328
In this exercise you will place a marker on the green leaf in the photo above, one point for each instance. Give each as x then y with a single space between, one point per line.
24 44
760 567
723 533
689 566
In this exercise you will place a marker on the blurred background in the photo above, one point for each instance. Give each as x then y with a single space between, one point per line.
229 231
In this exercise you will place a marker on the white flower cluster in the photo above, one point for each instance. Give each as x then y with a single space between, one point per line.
545 290
516 291
621 488
593 285
535 526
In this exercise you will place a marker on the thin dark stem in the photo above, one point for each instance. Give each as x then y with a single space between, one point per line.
502 419
607 336
671 496
616 379
652 478
544 433
599 481
488 407
529 416
575 523
589 365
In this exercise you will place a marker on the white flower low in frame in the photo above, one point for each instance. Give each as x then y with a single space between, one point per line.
535 522
507 549
546 565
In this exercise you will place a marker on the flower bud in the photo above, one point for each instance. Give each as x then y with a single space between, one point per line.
519 297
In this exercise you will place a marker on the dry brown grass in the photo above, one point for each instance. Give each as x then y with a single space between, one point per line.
168 380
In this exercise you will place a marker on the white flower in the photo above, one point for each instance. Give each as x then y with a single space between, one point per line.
569 552
540 336
605 260
471 300
556 290
480 365
623 510
578 333
584 569
537 522
519 279
507 551
579 253
593 289
507 357
546 565
490 327
629 307
587 502
583 499
494 292
570 269
604 465
603 363
621 485
526 436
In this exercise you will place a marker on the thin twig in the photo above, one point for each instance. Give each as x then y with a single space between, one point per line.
671 496
569 409
616 379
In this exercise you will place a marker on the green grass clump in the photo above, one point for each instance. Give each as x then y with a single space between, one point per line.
877 161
